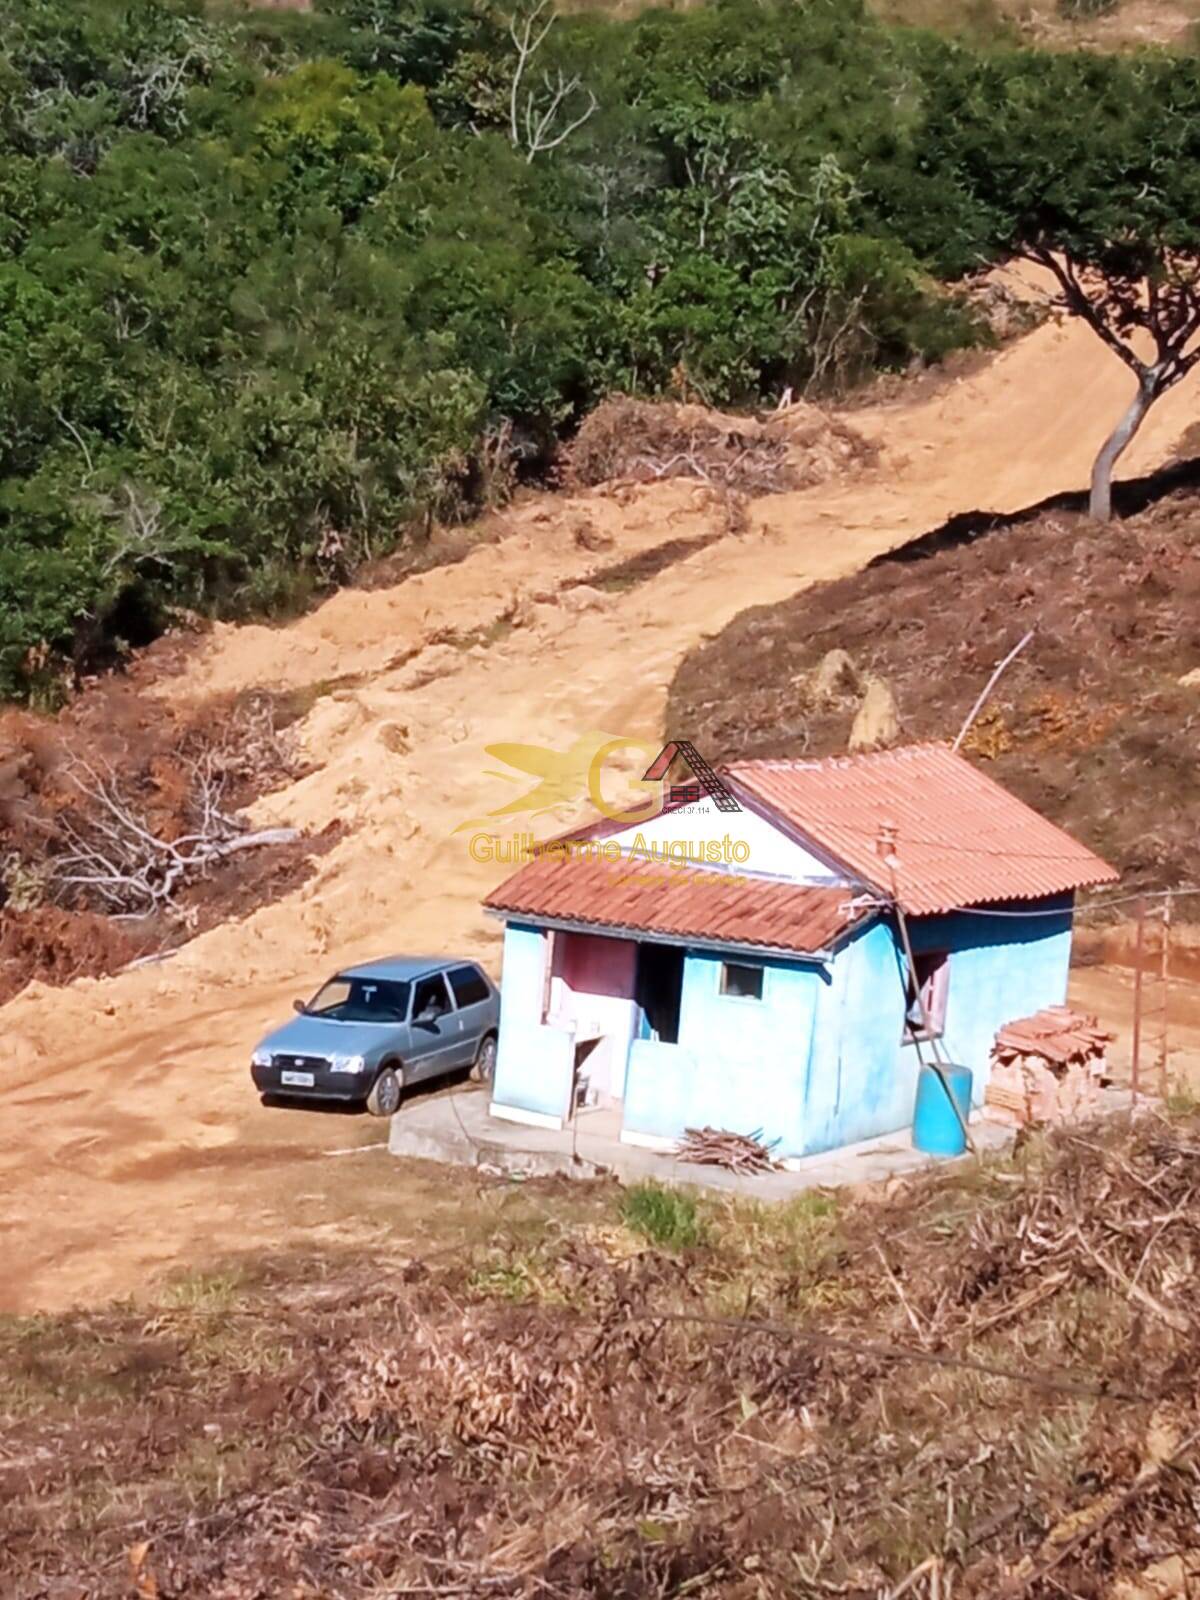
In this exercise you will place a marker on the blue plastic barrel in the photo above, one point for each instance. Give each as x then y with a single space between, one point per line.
936 1129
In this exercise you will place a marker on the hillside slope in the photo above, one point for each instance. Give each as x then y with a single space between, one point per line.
1093 723
124 1099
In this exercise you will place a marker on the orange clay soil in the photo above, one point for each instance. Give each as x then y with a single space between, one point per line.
131 1138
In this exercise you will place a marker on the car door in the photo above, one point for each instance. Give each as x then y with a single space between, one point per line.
475 1008
435 1043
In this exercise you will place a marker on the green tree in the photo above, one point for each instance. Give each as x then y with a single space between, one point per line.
273 283
1089 166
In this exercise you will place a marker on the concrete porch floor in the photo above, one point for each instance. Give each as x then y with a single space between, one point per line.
455 1126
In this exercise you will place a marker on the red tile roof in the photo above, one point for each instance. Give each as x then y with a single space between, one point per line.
686 903
960 839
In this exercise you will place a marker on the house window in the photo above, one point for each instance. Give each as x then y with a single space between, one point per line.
742 982
925 1014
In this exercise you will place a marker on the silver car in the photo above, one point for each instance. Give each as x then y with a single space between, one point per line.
372 1029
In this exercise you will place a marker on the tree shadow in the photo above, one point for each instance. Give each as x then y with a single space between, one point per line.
1129 497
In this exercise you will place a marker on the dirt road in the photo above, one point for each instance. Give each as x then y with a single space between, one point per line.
131 1138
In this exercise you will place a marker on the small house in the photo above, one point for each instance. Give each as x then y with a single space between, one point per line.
738 960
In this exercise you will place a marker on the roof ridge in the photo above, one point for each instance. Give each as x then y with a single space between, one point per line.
850 758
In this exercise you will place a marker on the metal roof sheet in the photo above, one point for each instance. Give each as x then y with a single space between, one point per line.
959 838
678 902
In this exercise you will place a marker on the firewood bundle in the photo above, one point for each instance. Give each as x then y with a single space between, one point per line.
737 1152
1047 1068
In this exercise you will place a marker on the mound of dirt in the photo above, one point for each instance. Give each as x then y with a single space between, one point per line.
643 441
56 946
1091 725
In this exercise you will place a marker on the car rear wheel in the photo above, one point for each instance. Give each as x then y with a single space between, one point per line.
484 1069
384 1098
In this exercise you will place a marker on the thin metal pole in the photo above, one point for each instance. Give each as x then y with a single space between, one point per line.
1164 1048
1139 947
988 687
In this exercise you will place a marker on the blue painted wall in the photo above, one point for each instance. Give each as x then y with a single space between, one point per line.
819 1061
862 1075
857 1083
739 1064
534 1064
1001 967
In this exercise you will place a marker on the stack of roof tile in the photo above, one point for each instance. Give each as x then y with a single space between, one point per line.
1047 1068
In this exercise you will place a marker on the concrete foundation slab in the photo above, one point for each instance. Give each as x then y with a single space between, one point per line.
455 1126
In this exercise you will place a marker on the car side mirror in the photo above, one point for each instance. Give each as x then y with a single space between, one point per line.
299 1007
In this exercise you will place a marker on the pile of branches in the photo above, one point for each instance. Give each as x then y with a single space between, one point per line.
1123 1222
111 854
640 441
120 818
736 1152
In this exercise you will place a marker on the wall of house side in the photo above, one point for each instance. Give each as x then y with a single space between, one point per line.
1001 967
859 1084
739 1063
535 1063
770 851
862 1075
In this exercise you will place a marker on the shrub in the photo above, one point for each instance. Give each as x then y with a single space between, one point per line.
667 1217
272 287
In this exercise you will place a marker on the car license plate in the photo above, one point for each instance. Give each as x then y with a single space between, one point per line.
297 1080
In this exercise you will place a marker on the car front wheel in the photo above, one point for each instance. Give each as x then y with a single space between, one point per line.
384 1098
484 1069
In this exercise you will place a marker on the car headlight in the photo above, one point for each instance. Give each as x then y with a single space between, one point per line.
347 1063
261 1058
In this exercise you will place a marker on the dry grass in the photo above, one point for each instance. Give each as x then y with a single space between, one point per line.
988 1380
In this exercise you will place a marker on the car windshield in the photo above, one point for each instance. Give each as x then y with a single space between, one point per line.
360 1000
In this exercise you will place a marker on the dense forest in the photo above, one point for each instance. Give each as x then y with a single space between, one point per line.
278 288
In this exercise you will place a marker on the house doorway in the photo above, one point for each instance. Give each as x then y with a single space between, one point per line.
590 993
658 988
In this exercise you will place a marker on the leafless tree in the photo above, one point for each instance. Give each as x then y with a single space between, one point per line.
115 857
158 82
540 119
142 536
840 341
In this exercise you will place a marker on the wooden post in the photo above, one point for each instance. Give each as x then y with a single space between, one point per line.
1139 948
1165 1048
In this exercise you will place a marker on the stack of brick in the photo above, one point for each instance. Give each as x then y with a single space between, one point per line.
1047 1068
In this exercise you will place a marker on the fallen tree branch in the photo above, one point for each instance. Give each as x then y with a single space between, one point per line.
1106 1510
115 856
717 1147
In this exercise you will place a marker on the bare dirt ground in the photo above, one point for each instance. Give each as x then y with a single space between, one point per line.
131 1138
